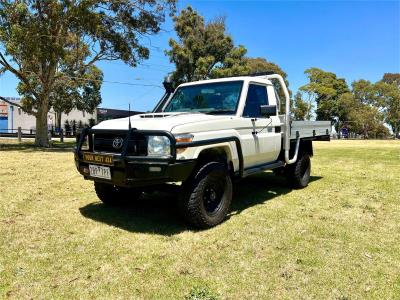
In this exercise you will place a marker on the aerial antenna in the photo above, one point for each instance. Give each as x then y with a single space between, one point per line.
129 117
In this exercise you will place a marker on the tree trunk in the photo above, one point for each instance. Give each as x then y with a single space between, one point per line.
58 120
41 136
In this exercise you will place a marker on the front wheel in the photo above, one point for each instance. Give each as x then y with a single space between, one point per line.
114 195
207 197
298 173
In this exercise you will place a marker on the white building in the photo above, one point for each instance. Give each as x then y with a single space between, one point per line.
12 117
18 118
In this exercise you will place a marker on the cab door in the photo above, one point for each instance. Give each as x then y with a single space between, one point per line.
262 143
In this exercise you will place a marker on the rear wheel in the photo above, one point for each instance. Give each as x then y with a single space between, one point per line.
207 197
114 195
298 174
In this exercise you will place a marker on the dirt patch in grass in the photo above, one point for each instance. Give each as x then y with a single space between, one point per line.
338 238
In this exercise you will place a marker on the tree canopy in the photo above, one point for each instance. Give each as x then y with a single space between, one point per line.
325 89
301 109
260 65
388 101
383 96
203 50
363 109
391 78
51 46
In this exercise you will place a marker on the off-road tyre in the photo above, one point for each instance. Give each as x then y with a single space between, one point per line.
113 195
206 197
298 173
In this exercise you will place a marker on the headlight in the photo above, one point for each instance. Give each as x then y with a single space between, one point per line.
158 146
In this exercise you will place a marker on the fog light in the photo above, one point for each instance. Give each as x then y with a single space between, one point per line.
155 169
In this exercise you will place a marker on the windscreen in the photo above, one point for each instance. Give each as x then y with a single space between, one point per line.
212 98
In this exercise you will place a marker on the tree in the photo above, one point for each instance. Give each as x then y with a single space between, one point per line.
346 105
365 91
48 43
83 95
366 120
384 96
233 64
260 65
325 89
203 50
357 110
391 78
301 110
388 101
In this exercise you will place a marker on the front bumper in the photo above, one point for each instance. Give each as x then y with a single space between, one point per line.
133 171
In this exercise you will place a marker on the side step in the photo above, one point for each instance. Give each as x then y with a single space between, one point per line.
263 167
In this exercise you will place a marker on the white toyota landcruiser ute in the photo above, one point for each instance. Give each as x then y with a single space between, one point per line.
205 134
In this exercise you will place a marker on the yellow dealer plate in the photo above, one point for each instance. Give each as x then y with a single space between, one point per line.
99 159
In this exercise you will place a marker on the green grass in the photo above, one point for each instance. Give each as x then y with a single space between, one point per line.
336 239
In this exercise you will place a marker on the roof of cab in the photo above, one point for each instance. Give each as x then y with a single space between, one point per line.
257 79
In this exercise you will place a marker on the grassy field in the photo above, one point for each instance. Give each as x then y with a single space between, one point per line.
337 239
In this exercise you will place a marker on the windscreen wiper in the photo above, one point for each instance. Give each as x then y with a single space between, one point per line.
219 112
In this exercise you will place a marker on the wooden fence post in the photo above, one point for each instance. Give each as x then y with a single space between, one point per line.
61 135
19 134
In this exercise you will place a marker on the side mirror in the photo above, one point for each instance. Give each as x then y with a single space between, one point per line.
268 110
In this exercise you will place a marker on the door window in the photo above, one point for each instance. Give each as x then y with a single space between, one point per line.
256 96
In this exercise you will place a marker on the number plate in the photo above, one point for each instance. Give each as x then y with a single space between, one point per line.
100 172
98 159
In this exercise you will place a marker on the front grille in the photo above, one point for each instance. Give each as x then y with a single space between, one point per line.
104 142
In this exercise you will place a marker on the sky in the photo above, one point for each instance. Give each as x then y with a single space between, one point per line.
354 39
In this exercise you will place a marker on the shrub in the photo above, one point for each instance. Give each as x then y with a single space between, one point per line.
80 125
73 125
92 122
67 128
